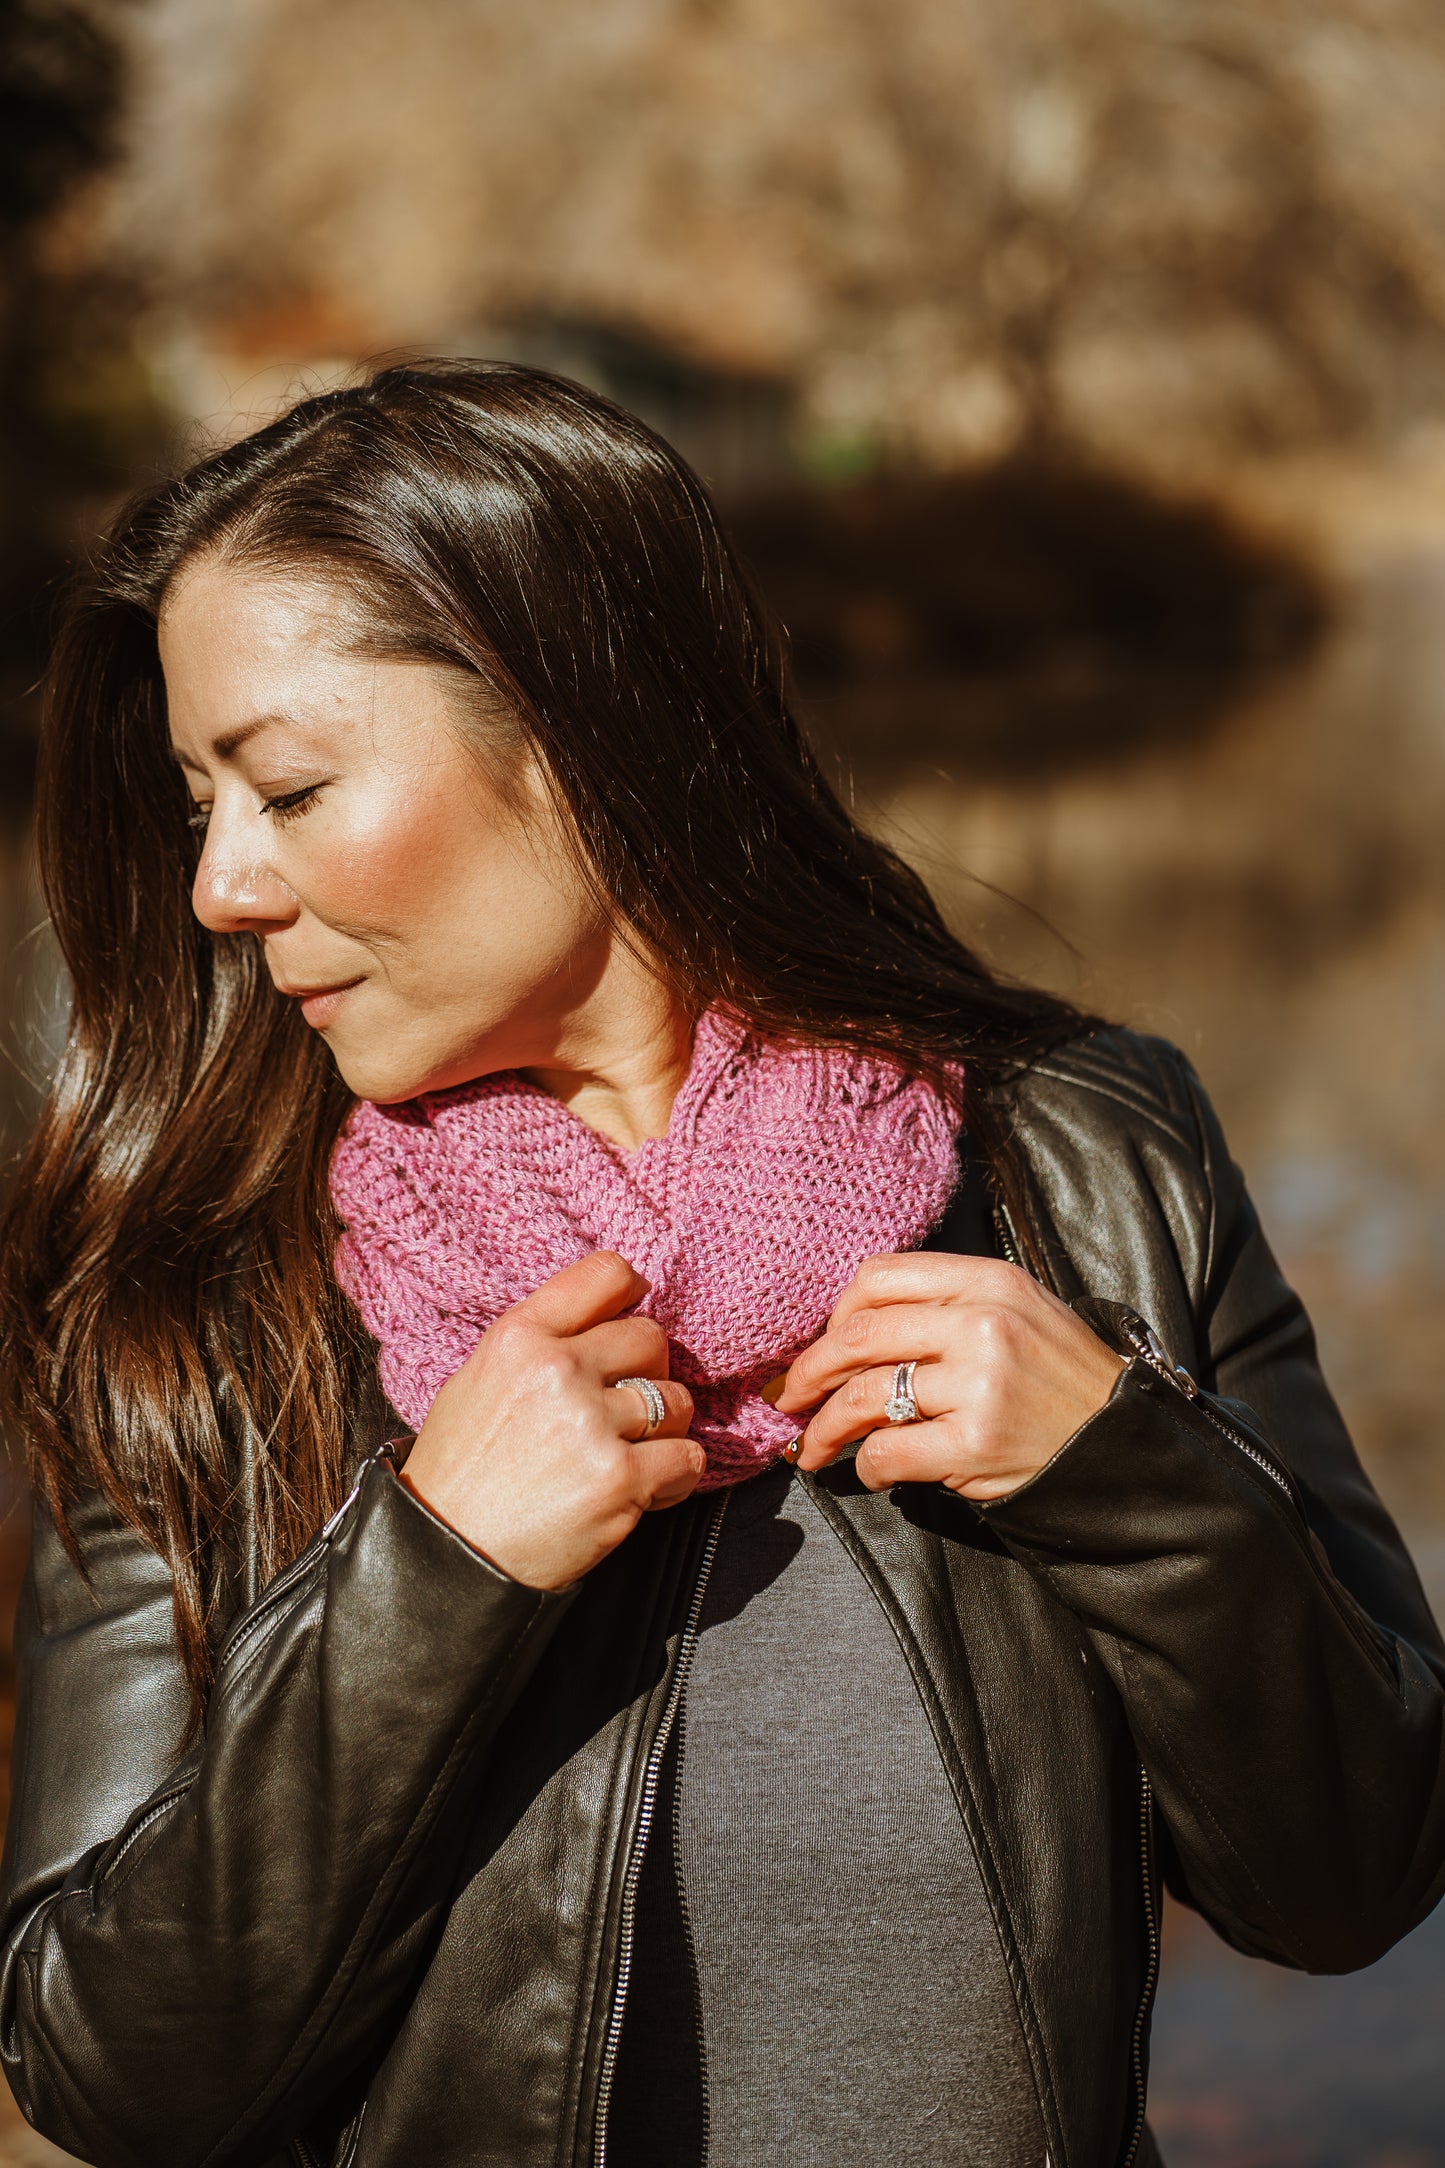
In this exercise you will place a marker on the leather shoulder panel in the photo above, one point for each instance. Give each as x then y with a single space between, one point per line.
1120 1175
1124 1077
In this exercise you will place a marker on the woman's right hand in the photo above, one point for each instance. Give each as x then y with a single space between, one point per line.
531 1454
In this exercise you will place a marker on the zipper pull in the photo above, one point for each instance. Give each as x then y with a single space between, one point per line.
1145 1341
392 1451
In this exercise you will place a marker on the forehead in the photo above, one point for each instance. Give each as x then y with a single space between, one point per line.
223 616
241 646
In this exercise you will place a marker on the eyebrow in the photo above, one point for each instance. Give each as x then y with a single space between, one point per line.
232 740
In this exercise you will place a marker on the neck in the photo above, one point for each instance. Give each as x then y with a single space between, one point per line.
621 1056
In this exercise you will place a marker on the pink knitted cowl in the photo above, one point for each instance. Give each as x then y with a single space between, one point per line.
783 1167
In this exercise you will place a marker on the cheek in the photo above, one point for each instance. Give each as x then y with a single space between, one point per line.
441 883
384 866
382 855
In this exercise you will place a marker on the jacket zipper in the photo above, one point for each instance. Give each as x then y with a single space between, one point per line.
1250 1452
244 1631
704 2084
1003 1228
152 1814
1146 1343
651 1774
1155 1355
1151 1968
247 1626
345 2146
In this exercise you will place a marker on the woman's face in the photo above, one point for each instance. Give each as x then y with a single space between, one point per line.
432 927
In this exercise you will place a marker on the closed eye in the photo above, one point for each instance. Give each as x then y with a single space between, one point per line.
289 804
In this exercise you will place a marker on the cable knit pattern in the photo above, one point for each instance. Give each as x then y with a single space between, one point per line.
782 1169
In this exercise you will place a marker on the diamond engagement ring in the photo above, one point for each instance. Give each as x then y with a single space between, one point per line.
652 1400
902 1408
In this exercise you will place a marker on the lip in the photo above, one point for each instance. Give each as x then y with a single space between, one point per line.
319 1004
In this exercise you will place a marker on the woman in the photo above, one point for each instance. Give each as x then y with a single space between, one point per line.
752 1718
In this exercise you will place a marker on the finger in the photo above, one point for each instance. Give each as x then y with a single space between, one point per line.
859 1406
910 1453
626 1347
635 1417
937 1452
902 1332
927 1276
668 1470
584 1294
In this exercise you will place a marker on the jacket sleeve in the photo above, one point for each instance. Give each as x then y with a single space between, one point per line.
197 1950
1250 1596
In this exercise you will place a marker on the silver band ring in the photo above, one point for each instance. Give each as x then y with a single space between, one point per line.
902 1408
652 1400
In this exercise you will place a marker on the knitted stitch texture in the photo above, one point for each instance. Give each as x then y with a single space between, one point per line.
783 1168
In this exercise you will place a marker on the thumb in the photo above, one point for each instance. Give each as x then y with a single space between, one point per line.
583 1294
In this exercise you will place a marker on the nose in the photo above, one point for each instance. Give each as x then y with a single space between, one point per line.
235 892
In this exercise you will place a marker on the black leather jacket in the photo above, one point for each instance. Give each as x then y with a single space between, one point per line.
382 1914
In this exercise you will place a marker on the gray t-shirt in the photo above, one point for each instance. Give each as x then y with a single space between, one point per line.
849 1989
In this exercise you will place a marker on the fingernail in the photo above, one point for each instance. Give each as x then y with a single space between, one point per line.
772 1392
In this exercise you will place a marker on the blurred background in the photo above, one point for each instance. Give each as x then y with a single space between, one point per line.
1074 374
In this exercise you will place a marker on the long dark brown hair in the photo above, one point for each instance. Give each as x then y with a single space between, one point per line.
173 1334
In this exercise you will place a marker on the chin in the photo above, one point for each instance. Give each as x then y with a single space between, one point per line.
387 1082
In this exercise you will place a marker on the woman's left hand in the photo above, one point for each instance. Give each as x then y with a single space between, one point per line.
1006 1374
